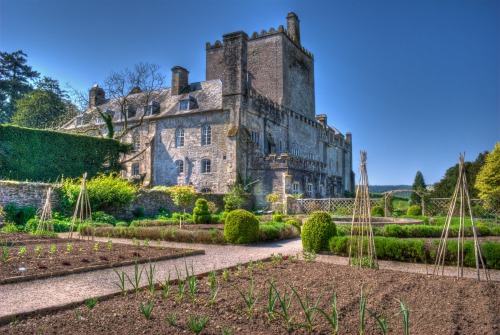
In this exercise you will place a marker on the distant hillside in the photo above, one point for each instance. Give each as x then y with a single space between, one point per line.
385 188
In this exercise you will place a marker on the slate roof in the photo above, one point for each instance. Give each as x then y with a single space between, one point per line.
207 94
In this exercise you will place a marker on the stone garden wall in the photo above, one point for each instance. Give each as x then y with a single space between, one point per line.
24 194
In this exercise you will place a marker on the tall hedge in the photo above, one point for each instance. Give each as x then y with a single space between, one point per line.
44 155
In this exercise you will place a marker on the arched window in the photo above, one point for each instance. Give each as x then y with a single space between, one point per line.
136 142
179 137
206 166
206 135
179 166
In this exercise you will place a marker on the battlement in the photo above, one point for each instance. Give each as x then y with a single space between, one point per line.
281 30
287 161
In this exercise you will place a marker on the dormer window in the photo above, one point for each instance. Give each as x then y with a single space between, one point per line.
153 107
130 110
187 104
79 121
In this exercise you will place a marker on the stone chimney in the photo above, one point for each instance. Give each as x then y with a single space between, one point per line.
292 25
179 79
96 96
321 118
235 63
348 137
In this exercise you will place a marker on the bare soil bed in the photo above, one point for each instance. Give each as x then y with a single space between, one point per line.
438 305
52 256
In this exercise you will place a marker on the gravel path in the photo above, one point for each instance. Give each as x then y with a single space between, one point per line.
53 293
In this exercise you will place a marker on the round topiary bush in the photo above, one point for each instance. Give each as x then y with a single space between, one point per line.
377 211
414 210
294 223
278 217
241 227
317 230
201 214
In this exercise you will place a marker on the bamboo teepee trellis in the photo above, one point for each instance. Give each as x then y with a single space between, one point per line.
45 223
362 247
461 195
82 210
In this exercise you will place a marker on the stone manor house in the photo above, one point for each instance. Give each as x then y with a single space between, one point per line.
253 119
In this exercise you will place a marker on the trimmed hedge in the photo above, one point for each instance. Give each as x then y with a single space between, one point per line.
296 224
414 210
241 227
273 230
44 155
377 211
317 230
419 251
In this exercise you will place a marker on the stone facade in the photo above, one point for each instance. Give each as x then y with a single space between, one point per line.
253 118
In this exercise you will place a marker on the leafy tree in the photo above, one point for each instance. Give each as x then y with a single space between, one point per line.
45 107
15 80
446 186
234 198
273 199
488 179
182 196
418 185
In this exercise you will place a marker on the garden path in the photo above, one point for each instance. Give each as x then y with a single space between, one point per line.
58 292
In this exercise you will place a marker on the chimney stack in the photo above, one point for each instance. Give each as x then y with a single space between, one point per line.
96 96
179 79
292 25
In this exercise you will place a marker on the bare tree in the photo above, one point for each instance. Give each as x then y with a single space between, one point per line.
131 95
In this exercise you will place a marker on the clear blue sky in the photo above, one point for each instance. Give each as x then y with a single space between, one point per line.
416 82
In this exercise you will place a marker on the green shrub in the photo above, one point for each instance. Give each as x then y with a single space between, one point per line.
317 230
139 212
106 192
9 228
121 224
414 210
272 230
296 224
377 211
152 223
201 214
241 227
495 231
103 217
277 217
60 226
393 230
19 215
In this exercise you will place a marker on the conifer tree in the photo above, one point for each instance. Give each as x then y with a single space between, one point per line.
418 185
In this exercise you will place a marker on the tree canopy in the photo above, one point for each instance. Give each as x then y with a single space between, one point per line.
15 80
445 187
45 107
488 179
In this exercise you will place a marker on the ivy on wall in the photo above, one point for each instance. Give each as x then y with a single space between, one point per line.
44 155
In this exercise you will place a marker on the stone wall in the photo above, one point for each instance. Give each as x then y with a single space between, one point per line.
25 194
153 201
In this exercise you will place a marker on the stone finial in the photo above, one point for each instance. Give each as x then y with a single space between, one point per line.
348 137
292 25
96 96
179 79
